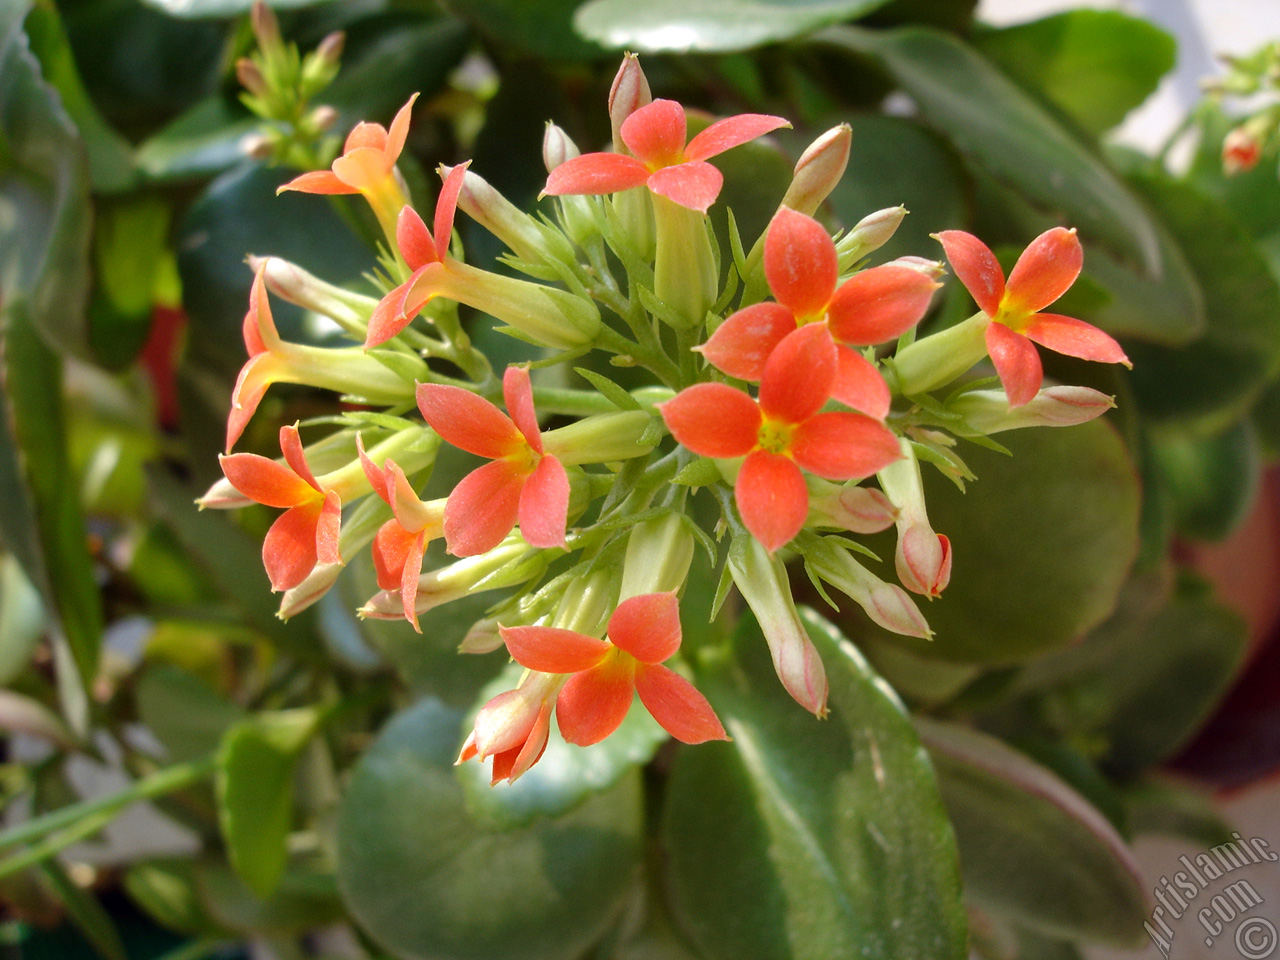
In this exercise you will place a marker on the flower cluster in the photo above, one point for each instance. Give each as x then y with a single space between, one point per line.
787 388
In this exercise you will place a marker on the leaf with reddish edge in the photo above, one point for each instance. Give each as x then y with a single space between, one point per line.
289 548
656 132
677 705
842 445
800 263
976 267
265 481
741 345
467 421
694 185
879 305
1075 338
414 239
553 649
772 498
318 181
447 207
517 391
483 508
713 420
596 173
799 375
731 132
1016 362
544 505
859 384
647 626
1045 271
594 702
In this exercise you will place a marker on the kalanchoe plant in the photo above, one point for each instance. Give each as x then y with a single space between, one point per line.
591 526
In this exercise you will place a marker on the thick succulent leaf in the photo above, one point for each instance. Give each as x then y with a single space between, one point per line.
202 142
1211 481
709 26
1032 849
426 881
804 839
184 713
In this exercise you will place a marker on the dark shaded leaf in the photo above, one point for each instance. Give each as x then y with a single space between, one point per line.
203 141
1212 481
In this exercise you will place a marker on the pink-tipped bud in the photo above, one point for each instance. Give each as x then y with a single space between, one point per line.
819 170
483 637
316 585
869 234
922 557
266 28
1241 151
856 509
223 496
630 92
323 117
330 48
987 411
557 147
499 568
513 726
523 236
251 77
887 604
930 268
762 581
256 146
290 282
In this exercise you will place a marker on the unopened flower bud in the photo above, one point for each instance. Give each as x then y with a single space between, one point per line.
587 603
513 727
659 552
515 228
819 170
762 581
557 147
935 269
630 92
488 571
483 637
256 146
600 439
330 48
887 604
223 496
1241 151
684 273
987 411
289 281
266 28
854 508
922 557
250 77
575 212
323 117
869 234
316 585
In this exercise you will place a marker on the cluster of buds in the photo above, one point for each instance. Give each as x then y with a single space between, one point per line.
787 386
1255 77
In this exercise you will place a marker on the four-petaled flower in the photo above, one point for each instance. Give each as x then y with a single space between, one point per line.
400 543
644 631
521 483
1044 272
656 135
871 307
781 433
305 536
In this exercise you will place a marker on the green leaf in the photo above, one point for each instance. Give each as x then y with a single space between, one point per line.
1093 65
254 778
424 880
166 890
1212 481
22 619
809 840
1032 849
201 9
86 912
186 715
40 517
565 776
1010 137
1175 809
302 902
1210 382
131 254
203 141
1043 542
709 26
895 161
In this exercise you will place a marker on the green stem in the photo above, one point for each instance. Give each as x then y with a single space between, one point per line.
571 403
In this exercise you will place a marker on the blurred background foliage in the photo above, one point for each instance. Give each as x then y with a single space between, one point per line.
300 773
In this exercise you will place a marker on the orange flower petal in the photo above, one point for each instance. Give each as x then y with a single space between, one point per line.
694 184
800 263
553 649
482 508
251 386
258 316
365 135
329 529
530 753
289 548
976 266
772 498
647 626
467 421
399 131
266 481
879 305
1045 271
376 476
1075 338
294 455
842 445
859 384
409 574
414 239
656 132
799 375
731 132
447 206
362 168
677 705
544 505
596 173
594 703
390 548
517 392
741 345
1016 362
713 420
318 181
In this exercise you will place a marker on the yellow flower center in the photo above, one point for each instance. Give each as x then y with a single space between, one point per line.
775 436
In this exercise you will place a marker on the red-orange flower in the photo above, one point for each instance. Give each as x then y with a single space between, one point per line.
656 134
400 543
781 434
870 307
368 160
522 483
306 534
1044 272
644 631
